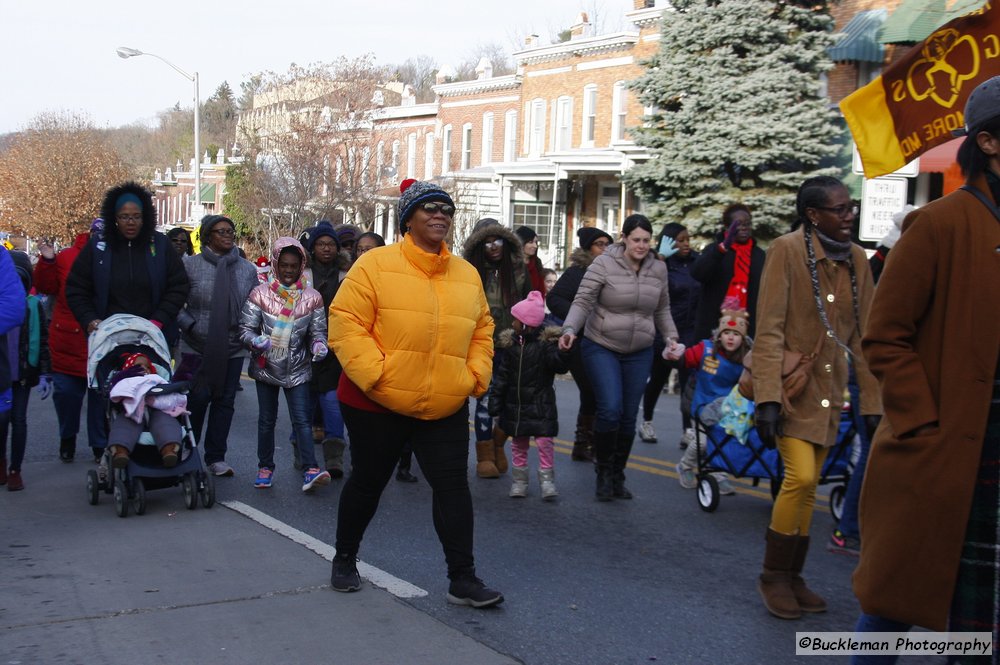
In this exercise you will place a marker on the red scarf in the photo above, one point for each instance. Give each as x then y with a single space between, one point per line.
741 273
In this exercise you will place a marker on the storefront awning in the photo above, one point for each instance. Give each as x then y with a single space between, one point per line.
207 194
940 158
914 20
858 41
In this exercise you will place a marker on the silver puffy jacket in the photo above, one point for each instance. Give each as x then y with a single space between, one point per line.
259 315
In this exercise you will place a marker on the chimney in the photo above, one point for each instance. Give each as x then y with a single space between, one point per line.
644 4
446 74
484 70
581 28
408 97
531 41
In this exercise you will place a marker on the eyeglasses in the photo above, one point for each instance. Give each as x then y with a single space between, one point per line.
129 218
842 212
224 233
496 243
601 243
325 245
433 208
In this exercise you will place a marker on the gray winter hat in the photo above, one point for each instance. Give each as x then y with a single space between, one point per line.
414 192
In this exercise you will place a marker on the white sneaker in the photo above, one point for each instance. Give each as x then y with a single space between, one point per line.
646 432
220 469
688 439
725 486
687 477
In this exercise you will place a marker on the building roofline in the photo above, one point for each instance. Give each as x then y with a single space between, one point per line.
508 82
578 47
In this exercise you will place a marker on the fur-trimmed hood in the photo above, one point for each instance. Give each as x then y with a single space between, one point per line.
510 239
111 233
582 258
547 334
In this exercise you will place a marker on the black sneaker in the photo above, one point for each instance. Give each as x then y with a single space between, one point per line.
470 590
345 577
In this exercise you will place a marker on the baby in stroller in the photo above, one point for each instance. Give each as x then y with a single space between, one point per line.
130 390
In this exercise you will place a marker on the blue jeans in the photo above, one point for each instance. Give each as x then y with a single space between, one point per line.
871 623
619 380
298 399
333 420
68 392
481 418
16 420
220 413
849 517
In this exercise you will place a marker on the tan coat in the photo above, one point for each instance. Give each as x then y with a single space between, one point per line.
788 319
932 341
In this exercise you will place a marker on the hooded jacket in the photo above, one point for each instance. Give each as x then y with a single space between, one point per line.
413 330
11 310
621 308
522 395
685 292
560 298
143 277
261 313
67 339
327 280
490 273
26 373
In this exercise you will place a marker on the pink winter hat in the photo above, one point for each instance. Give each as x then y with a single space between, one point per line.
531 310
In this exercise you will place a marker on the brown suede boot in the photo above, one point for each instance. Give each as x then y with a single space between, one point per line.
500 457
583 440
809 601
485 455
775 583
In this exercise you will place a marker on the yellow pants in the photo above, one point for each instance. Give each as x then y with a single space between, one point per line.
793 509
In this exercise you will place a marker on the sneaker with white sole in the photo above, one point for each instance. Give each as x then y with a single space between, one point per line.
470 590
344 576
314 476
687 477
265 478
725 485
688 439
646 431
220 469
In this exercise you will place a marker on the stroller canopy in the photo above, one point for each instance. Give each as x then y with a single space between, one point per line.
118 330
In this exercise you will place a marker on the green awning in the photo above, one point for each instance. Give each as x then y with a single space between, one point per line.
915 20
207 194
858 41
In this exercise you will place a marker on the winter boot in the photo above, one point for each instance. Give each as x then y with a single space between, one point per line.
3 470
547 479
67 449
485 455
623 448
604 446
519 488
333 456
583 440
809 601
500 459
775 583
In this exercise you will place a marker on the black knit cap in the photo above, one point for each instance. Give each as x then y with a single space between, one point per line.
589 234
525 233
414 192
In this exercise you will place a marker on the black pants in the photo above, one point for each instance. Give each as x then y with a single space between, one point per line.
588 402
442 450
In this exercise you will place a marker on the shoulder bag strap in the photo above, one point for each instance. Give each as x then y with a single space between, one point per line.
986 201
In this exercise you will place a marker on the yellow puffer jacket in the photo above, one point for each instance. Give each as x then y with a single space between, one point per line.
413 330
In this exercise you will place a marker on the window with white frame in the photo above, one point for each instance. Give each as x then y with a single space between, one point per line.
466 145
536 216
510 136
536 131
395 157
564 123
379 161
589 116
411 156
486 154
446 149
429 156
618 108
366 160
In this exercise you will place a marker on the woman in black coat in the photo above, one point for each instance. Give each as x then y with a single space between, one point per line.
593 241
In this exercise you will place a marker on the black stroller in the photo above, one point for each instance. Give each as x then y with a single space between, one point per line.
124 333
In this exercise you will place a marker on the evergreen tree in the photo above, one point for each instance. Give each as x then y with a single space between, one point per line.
738 112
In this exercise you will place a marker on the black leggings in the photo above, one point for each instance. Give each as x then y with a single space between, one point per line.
442 450
588 402
657 379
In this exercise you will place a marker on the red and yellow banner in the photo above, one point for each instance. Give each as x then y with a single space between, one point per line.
917 102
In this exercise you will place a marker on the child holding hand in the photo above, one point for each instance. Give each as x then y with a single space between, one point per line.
522 395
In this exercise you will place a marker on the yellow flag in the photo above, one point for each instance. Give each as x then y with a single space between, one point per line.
917 102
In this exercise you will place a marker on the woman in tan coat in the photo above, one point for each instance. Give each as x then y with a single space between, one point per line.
815 293
929 502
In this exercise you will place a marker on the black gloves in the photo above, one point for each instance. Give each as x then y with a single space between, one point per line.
730 238
871 424
768 417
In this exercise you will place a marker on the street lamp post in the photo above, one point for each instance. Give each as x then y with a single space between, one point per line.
126 52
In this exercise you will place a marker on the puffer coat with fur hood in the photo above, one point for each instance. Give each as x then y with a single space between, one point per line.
522 394
474 252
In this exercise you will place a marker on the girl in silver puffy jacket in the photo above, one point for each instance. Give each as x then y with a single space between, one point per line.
284 324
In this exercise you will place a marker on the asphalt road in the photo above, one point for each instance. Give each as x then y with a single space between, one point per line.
655 579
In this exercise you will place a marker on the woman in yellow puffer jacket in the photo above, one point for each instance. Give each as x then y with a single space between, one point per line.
412 329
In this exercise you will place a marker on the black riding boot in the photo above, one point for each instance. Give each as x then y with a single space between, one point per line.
604 451
623 448
67 449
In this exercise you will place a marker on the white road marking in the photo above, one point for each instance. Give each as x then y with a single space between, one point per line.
377 577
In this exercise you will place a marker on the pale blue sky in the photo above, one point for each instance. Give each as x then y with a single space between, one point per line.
60 55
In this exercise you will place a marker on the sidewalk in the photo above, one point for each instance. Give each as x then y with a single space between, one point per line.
81 585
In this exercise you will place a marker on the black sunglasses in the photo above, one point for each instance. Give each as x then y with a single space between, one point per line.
432 208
